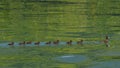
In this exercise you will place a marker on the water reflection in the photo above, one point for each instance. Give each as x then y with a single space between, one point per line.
71 58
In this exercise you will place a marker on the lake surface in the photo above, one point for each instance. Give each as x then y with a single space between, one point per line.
50 20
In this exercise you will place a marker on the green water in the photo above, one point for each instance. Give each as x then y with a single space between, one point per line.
45 20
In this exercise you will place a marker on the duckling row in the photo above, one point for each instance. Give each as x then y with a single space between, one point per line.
57 42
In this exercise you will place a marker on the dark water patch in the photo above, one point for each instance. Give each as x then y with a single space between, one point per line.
64 25
50 2
56 2
115 26
71 58
108 14
116 57
1 8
